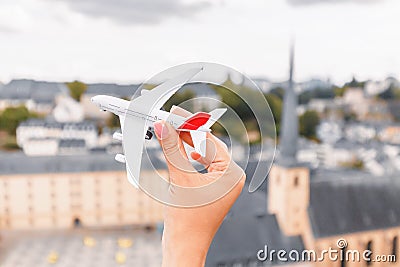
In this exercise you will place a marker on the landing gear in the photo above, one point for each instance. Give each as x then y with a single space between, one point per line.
149 135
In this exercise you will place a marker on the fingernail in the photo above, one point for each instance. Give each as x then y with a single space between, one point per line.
161 130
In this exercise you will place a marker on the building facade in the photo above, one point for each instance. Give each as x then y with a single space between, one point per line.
66 192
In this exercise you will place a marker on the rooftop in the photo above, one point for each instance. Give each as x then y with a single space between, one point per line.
87 125
19 163
43 92
347 201
72 143
112 89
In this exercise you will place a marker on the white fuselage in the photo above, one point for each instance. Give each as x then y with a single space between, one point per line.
122 108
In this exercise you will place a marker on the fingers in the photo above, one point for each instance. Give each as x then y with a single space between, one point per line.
180 111
185 136
173 149
197 157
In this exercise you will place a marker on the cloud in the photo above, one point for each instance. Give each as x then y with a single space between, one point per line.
311 2
7 29
136 11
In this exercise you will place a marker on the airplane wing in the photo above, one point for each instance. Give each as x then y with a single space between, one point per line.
199 142
133 134
157 97
121 121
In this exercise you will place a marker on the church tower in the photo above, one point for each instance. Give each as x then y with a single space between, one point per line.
288 191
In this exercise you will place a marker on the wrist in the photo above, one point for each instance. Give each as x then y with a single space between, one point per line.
184 248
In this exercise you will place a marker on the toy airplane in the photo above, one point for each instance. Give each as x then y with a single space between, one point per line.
144 110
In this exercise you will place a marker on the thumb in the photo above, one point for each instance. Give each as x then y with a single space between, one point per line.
173 148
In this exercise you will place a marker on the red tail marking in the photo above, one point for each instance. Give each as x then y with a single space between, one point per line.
195 121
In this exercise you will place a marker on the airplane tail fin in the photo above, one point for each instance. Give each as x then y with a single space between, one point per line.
199 137
199 141
215 115
204 120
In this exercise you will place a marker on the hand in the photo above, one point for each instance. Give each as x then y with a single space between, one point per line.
188 232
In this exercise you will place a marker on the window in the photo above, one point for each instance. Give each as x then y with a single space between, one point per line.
75 194
296 181
77 222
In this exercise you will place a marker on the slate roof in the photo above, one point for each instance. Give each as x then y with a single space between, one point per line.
394 108
19 163
85 125
72 143
344 202
247 229
41 92
112 89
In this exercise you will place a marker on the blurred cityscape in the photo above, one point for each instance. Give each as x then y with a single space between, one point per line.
355 125
65 202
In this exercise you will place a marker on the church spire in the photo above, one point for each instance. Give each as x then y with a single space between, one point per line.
289 132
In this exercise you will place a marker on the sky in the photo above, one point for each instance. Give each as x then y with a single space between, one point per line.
126 41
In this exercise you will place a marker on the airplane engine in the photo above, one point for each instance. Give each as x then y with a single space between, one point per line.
149 135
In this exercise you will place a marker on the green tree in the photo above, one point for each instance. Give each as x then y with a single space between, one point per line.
275 103
308 123
179 98
245 102
390 93
357 164
12 116
349 116
278 91
306 96
339 91
355 83
113 121
76 89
